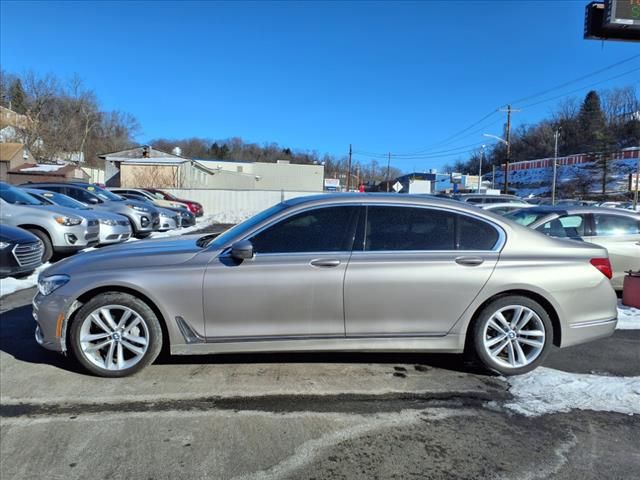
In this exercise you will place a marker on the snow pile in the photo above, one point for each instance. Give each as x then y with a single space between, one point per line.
546 391
202 222
628 317
10 285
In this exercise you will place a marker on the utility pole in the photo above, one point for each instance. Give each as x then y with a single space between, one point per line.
493 177
387 175
556 134
635 195
349 169
480 167
506 165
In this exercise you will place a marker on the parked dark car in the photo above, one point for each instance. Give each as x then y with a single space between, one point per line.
20 252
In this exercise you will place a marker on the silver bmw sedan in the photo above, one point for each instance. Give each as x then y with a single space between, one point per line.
340 272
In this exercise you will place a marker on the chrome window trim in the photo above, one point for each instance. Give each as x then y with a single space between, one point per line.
284 214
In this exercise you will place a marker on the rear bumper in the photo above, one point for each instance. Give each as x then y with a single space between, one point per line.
588 331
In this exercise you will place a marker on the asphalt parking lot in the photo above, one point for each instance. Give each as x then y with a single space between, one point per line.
311 416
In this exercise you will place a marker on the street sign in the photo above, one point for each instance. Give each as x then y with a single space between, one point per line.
397 187
622 12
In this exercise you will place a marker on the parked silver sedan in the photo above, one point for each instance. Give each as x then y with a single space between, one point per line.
370 272
614 229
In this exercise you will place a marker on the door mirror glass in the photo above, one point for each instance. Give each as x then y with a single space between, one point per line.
242 250
93 200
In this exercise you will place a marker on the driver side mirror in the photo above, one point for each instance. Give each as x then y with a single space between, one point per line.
242 250
93 200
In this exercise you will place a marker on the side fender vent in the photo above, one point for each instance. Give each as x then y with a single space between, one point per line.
187 332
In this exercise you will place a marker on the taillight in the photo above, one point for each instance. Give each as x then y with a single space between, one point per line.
603 265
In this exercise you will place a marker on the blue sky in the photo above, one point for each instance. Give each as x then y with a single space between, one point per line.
384 76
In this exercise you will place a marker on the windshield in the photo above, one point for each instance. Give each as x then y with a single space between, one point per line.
63 200
104 194
221 240
16 196
525 217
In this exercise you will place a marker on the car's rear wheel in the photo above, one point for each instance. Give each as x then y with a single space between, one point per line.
47 251
115 334
512 335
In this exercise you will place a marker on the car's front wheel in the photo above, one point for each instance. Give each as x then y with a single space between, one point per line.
512 335
115 334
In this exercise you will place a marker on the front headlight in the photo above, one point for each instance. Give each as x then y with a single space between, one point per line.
137 207
68 221
49 284
4 245
108 221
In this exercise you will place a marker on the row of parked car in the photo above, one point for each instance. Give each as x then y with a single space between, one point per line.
608 224
40 220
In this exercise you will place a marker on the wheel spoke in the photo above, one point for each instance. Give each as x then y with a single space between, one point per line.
500 317
98 321
498 339
523 321
135 323
97 346
93 337
108 358
516 317
521 358
511 354
133 348
497 327
139 340
123 320
499 348
109 319
531 333
531 343
120 356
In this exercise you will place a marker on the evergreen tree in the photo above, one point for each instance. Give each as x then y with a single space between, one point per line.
17 97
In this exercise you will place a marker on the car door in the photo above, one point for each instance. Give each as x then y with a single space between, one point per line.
293 287
620 235
415 270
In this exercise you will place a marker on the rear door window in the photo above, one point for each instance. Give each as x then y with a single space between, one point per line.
611 225
410 228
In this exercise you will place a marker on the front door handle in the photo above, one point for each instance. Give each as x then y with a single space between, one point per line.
325 262
470 261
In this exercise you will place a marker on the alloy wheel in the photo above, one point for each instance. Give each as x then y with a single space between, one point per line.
114 337
514 336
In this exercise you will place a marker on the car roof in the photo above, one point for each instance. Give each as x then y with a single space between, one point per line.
570 209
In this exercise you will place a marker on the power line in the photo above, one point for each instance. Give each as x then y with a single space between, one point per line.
581 88
562 85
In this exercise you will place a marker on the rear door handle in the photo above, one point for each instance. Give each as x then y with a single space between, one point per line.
470 261
325 262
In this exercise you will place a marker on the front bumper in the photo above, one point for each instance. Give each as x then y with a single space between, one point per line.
77 237
168 223
114 233
145 222
50 314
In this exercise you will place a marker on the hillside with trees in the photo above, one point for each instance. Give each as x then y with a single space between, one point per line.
601 123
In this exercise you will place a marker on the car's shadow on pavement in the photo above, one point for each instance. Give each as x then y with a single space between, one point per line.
17 339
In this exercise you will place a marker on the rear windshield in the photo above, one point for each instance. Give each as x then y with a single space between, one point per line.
525 216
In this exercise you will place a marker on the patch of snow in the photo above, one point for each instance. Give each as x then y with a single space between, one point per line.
43 168
628 317
10 285
546 390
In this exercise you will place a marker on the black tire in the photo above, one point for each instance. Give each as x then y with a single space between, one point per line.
47 253
485 315
120 299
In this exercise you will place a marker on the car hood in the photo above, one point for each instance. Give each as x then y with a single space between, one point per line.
131 255
71 212
15 235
